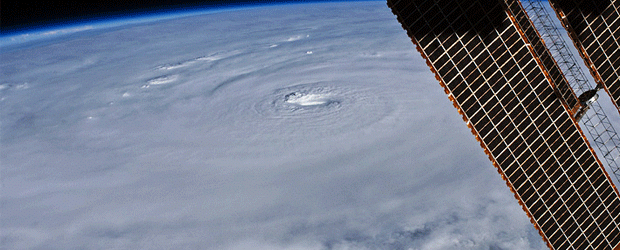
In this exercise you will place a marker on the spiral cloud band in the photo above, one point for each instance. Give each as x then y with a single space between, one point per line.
313 126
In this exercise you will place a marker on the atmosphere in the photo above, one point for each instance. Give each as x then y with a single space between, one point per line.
288 126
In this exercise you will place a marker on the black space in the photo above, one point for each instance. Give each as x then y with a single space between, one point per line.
25 14
588 7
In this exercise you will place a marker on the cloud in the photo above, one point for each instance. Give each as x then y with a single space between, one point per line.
91 160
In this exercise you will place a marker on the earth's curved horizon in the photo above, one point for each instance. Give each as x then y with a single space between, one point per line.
289 126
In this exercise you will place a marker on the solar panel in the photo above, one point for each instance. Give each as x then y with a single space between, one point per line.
550 66
594 27
502 80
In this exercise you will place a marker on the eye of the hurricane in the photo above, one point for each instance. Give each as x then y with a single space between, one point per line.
308 99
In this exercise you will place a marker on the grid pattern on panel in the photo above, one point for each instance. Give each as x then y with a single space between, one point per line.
502 88
594 27
551 67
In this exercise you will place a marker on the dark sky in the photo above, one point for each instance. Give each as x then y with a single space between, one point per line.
21 14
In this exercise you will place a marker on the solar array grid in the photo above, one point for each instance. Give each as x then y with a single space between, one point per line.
547 61
503 88
595 29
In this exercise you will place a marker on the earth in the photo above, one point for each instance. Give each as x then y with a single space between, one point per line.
294 126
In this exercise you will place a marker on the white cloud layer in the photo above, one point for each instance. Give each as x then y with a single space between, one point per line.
214 155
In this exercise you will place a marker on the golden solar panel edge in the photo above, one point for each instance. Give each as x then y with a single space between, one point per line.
571 111
472 129
573 35
564 104
475 133
580 48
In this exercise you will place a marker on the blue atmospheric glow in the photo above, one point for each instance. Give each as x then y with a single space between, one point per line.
285 127
100 22
53 30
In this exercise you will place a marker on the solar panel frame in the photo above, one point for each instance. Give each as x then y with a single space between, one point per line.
594 27
562 169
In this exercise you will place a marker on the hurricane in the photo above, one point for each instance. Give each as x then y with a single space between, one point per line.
292 126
